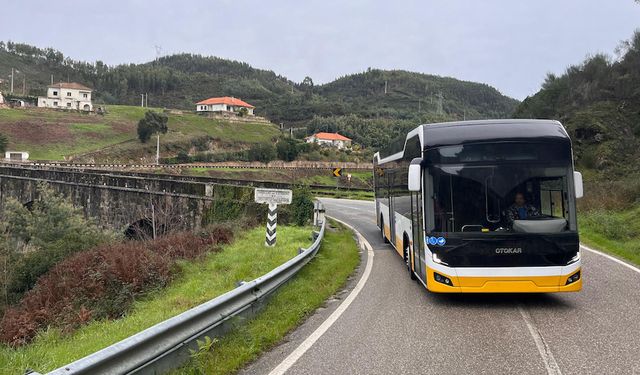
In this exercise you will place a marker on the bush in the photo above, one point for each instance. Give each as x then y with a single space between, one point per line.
3 143
302 206
102 283
287 149
262 152
37 238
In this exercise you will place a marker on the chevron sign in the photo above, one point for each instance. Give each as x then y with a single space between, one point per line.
273 197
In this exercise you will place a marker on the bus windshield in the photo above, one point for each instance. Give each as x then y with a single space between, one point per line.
523 196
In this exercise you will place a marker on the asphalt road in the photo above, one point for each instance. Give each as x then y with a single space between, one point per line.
394 326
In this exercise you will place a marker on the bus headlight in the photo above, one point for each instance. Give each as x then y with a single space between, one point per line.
573 278
442 279
437 259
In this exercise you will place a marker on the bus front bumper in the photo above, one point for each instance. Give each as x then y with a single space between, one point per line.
503 284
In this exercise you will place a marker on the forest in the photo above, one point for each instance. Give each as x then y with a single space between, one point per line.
371 98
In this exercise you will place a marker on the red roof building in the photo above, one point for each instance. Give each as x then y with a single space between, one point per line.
336 140
223 104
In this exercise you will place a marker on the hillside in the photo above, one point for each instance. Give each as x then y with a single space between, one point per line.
599 103
56 135
178 81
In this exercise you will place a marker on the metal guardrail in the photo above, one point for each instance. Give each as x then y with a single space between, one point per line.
165 345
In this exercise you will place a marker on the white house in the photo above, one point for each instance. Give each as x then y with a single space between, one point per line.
1 98
67 95
330 139
223 104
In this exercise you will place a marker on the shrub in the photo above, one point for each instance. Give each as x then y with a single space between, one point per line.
262 152
38 237
302 206
102 282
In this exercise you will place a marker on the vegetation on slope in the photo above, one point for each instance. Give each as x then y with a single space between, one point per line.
54 135
179 81
197 282
598 101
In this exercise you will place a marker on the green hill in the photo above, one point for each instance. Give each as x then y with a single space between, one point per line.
599 103
178 81
56 135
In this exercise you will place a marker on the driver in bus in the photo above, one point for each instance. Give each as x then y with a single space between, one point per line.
520 209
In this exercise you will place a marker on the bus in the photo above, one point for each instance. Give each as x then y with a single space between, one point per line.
484 206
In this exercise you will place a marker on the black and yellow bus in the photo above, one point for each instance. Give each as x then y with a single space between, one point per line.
483 206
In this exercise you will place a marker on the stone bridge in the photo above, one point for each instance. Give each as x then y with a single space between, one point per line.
120 200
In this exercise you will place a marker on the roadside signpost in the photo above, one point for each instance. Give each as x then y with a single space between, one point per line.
337 172
272 197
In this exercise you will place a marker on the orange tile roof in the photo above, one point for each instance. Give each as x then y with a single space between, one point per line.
331 136
226 100
70 85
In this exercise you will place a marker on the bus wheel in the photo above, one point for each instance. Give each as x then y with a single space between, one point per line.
407 261
384 238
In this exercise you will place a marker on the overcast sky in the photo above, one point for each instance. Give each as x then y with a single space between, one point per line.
508 44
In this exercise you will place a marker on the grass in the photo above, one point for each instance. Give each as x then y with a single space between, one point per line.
615 232
199 281
287 309
58 135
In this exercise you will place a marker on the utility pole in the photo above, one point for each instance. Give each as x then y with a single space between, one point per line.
153 220
12 80
439 108
385 86
158 150
24 85
141 100
52 79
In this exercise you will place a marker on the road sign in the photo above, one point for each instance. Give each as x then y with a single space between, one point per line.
337 172
273 197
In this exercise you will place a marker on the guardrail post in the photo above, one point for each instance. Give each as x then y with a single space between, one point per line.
318 213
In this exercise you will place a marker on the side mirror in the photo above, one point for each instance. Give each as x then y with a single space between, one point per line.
577 182
415 175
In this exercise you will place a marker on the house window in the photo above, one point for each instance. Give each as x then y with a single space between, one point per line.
68 93
55 104
84 95
55 93
69 105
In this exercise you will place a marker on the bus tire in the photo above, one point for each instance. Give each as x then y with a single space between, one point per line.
407 260
384 238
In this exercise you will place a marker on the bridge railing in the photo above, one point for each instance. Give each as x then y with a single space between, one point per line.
166 345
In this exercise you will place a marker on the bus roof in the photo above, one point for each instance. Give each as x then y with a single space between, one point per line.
459 132
478 131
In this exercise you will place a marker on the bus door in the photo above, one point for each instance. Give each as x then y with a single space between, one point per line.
392 208
418 235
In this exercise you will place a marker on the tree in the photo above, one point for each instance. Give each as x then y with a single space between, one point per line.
263 152
287 149
3 143
152 123
35 238
243 112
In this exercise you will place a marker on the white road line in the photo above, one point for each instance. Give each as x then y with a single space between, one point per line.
309 341
546 354
636 269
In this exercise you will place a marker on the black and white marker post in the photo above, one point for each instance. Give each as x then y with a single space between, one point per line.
272 197
272 221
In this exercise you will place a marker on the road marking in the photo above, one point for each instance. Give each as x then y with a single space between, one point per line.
309 341
636 269
546 354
